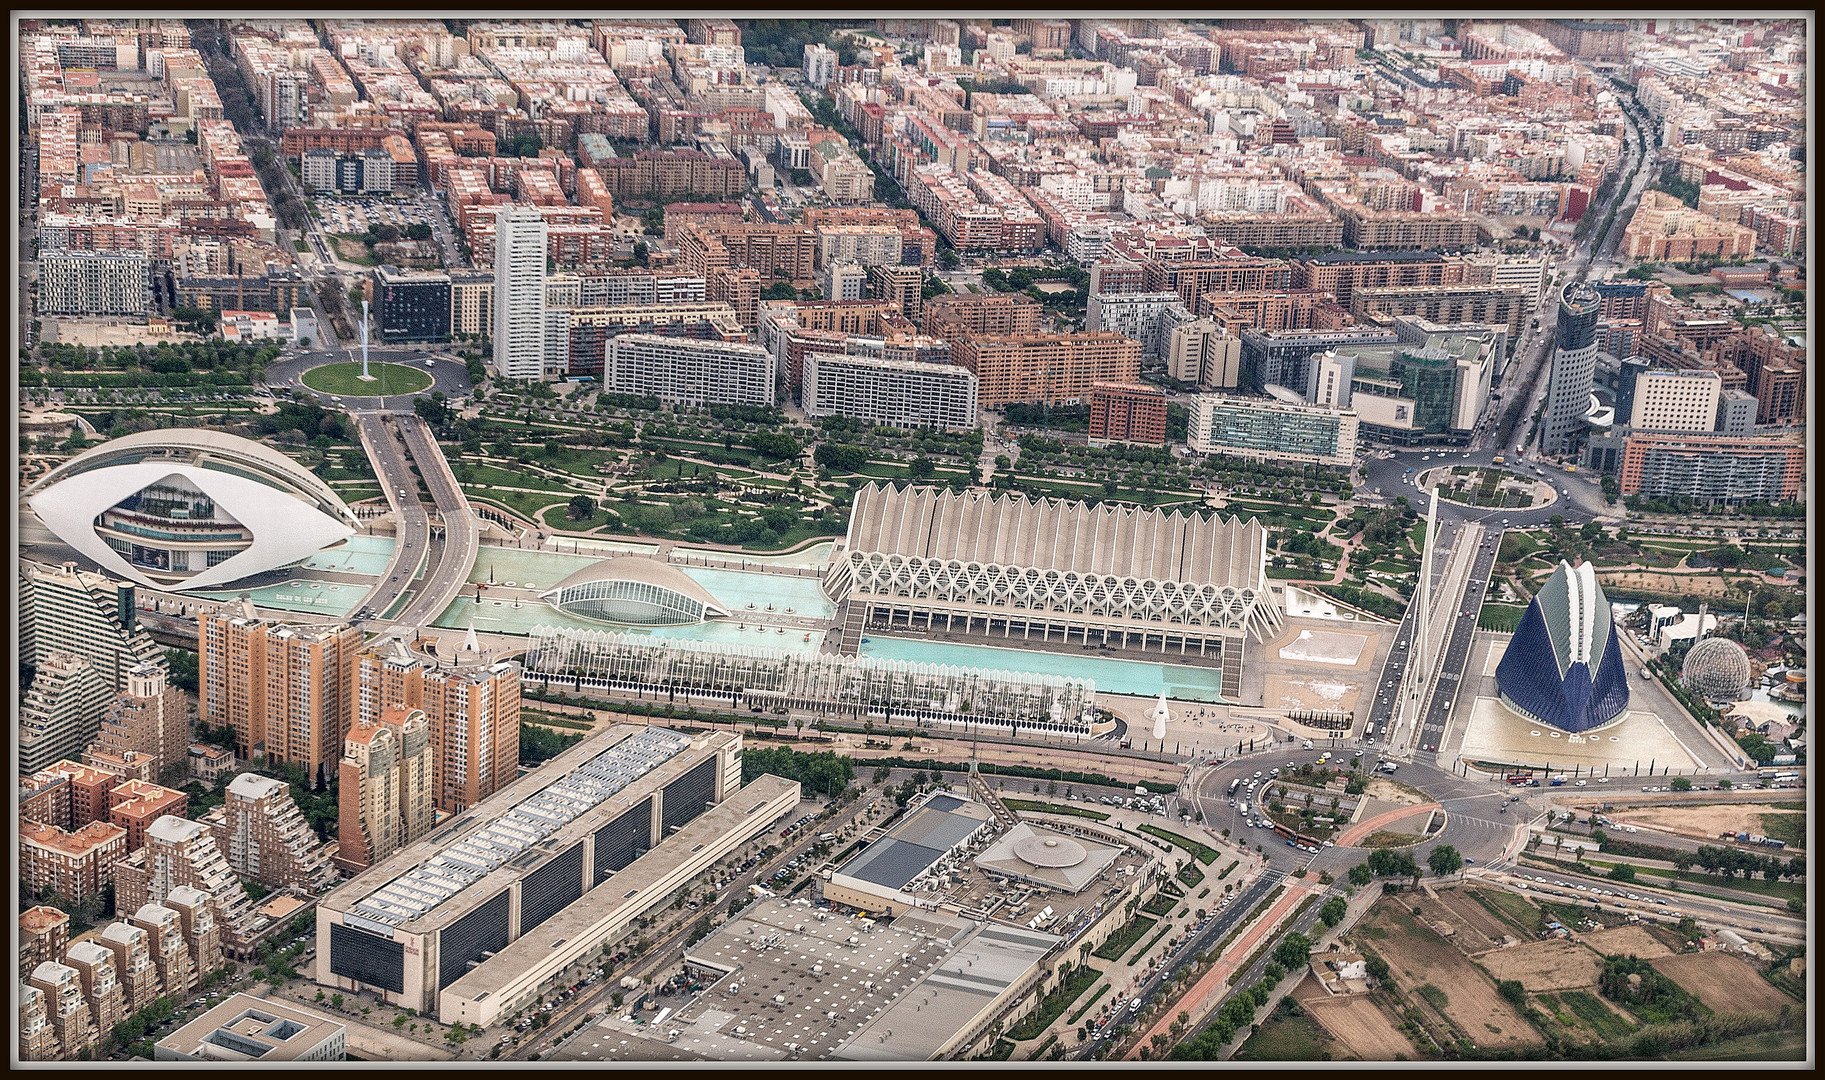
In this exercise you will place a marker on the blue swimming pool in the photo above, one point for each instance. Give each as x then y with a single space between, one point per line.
1137 677
367 555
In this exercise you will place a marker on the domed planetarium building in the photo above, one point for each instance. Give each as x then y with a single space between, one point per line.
634 591
1718 668
1564 665
189 508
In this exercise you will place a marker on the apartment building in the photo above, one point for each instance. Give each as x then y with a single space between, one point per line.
94 283
1148 318
1265 429
1127 412
1205 354
891 392
1508 306
954 316
1715 469
471 705
1664 229
1192 279
44 932
67 1012
1341 273
690 372
1396 229
37 1038
865 245
785 251
670 174
1675 401
133 964
519 292
196 921
263 833
77 864
1055 369
172 957
151 718
286 690
73 611
101 988
181 853
903 286
61 711
136 804
386 790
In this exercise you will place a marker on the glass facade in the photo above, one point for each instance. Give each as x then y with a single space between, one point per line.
412 309
1263 431
1432 383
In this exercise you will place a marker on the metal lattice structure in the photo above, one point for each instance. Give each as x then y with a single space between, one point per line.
1718 668
848 686
1123 576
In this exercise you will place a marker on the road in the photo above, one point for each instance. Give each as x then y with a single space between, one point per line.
1449 675
451 560
412 551
1216 928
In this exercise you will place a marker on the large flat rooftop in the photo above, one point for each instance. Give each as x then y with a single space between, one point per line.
469 859
624 888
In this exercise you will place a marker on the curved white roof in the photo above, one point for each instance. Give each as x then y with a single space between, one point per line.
285 528
201 446
643 570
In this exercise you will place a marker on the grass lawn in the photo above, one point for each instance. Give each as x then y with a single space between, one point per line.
1018 805
1503 618
525 503
1123 940
1287 1038
470 474
1203 854
558 517
351 248
344 380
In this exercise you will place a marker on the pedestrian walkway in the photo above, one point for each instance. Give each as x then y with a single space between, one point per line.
1214 986
1362 830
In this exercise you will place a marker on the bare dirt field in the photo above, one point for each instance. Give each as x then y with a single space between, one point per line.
1706 584
1477 928
1544 965
1627 941
1723 982
1361 1025
1703 822
1419 956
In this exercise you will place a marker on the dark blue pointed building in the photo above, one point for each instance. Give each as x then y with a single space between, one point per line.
1564 665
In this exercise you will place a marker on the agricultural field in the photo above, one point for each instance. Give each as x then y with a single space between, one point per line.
1555 964
1290 1036
1419 956
1627 941
1357 1023
1723 982
1477 929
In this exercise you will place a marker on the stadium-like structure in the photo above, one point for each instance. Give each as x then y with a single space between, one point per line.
1186 585
1564 665
189 508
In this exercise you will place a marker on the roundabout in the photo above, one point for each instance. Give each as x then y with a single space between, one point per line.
1487 488
388 380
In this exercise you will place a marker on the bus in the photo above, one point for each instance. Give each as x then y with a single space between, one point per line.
1368 731
1299 838
1233 785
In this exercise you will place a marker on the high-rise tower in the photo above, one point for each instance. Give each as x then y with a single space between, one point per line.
1574 362
519 292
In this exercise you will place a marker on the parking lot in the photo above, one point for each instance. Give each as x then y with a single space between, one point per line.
358 214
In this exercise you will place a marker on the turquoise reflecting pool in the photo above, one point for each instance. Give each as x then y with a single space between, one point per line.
361 555
737 590
1136 677
325 598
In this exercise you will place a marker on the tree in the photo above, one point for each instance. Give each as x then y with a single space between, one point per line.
1333 911
1361 875
921 468
1681 783
1294 951
1512 992
581 508
1622 872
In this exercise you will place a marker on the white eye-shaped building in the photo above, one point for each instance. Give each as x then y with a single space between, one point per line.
634 591
189 508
